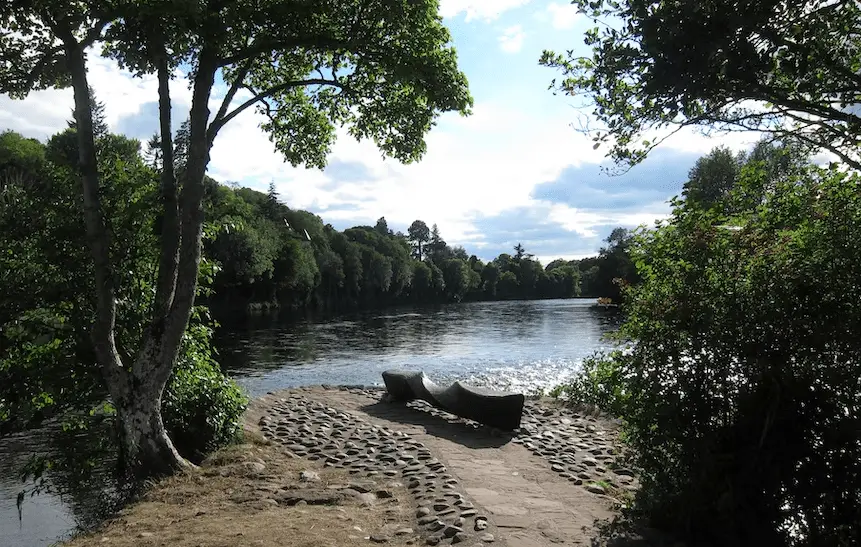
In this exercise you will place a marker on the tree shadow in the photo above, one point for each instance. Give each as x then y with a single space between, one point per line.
625 531
452 428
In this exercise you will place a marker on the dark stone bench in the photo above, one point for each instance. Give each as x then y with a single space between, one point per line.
498 409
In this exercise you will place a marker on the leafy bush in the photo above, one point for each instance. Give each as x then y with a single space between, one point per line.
201 408
598 384
741 395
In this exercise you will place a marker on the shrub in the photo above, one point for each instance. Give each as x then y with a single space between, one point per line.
201 408
598 384
741 395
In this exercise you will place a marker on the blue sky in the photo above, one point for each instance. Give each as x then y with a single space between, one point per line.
517 170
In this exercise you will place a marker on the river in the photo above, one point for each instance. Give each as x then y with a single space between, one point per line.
516 345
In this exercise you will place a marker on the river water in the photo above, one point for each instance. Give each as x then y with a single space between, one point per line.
515 345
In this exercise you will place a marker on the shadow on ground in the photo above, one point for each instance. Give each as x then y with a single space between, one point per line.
455 430
624 532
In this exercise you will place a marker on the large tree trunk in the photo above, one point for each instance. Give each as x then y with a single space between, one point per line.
147 448
136 393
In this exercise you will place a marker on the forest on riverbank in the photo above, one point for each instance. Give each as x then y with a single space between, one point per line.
271 255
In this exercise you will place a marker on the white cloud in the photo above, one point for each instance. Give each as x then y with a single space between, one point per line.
45 112
563 16
486 10
511 40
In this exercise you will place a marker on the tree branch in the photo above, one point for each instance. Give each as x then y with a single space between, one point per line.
169 259
216 125
95 33
228 98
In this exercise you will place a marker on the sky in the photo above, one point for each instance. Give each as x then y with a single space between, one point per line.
516 171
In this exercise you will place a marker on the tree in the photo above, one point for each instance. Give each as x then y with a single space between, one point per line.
418 234
272 201
437 248
489 279
382 227
712 177
743 381
520 253
385 71
100 126
457 279
783 68
508 285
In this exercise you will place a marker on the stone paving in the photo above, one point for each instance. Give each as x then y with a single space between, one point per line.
580 450
574 446
315 431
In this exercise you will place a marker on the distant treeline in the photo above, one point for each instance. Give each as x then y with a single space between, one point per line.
269 254
266 254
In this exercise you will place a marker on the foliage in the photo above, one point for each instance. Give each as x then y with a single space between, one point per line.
202 408
740 393
47 365
264 259
782 68
598 384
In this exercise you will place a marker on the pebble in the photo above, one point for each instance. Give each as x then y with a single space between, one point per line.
309 476
596 488
487 538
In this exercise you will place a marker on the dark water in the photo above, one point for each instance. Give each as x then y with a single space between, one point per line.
520 345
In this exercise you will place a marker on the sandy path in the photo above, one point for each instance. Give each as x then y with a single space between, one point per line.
530 504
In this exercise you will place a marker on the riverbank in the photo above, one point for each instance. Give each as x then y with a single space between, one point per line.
336 466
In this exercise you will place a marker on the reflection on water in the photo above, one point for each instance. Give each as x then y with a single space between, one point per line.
520 345
76 493
513 345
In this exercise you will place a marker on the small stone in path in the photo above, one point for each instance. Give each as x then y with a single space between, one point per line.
309 476
362 487
459 537
427 519
480 525
596 489
379 539
558 468
487 538
404 532
450 531
145 535
255 467
422 512
433 540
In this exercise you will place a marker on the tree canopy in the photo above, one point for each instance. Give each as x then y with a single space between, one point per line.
782 68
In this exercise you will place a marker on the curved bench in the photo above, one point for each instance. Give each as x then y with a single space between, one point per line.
498 409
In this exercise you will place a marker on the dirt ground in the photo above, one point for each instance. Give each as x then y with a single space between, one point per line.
252 495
